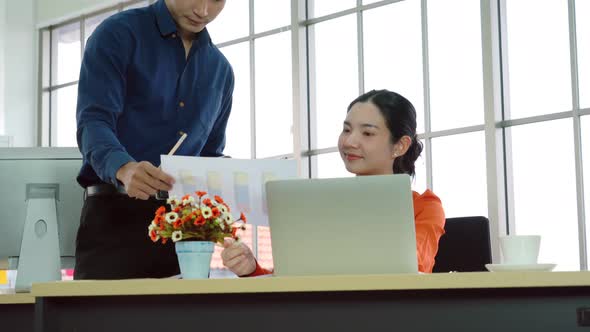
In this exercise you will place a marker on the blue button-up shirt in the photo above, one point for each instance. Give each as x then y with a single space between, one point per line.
138 89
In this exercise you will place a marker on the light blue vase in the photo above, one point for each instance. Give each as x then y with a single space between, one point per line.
194 258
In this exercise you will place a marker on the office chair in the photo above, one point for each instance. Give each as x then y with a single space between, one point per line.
465 246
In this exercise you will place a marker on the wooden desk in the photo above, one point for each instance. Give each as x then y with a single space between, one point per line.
518 301
17 311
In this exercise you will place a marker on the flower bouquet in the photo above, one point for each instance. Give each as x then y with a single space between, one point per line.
195 224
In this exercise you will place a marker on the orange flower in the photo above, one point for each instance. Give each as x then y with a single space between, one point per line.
201 193
154 236
207 201
177 209
242 217
185 197
218 199
160 211
215 212
164 240
177 223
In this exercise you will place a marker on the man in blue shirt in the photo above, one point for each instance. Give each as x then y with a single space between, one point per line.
146 75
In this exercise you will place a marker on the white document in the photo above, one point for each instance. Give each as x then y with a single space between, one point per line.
240 182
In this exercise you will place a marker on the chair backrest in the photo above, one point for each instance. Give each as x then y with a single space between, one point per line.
465 246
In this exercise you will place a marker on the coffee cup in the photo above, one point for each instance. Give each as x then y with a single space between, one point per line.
520 249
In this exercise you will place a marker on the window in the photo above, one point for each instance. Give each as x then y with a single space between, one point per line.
544 189
271 14
460 157
538 58
274 111
393 52
583 34
541 169
232 23
60 68
238 132
456 74
336 76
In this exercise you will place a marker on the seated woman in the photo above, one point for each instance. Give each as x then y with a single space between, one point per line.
378 137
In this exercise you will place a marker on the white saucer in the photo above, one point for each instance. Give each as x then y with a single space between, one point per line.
519 267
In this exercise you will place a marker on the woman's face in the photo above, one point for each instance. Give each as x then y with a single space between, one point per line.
365 142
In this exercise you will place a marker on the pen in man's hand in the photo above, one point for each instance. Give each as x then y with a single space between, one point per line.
161 194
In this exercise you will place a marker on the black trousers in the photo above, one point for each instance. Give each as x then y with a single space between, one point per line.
113 241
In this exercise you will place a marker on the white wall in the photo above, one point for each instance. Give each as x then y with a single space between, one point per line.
55 11
19 48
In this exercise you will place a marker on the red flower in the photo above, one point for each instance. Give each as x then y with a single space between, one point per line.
185 197
216 212
164 240
218 199
177 209
207 201
199 221
201 193
242 217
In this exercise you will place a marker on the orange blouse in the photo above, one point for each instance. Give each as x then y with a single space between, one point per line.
429 217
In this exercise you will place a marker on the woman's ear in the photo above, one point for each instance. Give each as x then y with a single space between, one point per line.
402 146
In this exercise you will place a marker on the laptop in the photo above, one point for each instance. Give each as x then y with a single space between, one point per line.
356 225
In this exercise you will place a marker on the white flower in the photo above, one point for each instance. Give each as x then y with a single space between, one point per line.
206 212
176 236
171 217
172 201
152 225
188 201
227 218
222 209
222 225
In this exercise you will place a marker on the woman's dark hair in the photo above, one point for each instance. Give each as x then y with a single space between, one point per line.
400 117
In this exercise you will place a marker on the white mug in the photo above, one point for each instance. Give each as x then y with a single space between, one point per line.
520 249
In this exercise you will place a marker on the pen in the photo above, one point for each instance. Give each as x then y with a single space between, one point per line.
177 145
161 194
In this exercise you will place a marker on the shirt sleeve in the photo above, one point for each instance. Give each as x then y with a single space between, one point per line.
430 221
101 99
259 271
216 141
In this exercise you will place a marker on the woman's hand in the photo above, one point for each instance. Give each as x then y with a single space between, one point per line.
238 257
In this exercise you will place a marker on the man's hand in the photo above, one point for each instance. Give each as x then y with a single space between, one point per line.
237 257
143 179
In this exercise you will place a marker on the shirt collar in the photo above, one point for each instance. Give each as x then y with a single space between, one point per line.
164 18
167 25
